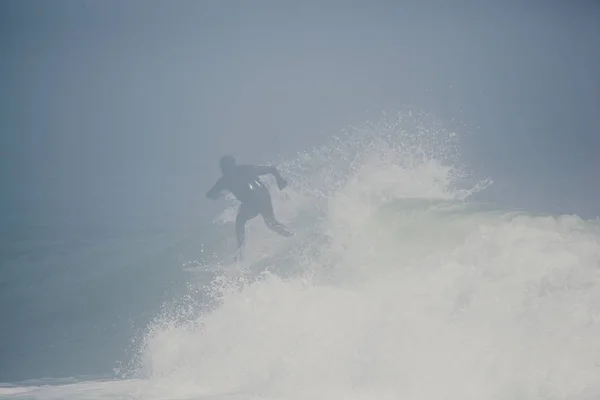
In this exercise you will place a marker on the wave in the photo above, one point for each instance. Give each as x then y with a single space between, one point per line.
397 285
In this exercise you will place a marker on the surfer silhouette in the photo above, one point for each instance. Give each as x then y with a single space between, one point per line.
243 181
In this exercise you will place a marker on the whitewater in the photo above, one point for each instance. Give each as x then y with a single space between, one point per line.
397 285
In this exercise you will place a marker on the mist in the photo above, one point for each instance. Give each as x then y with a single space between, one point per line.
119 110
116 109
114 114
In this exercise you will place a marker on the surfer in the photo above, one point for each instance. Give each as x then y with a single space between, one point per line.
243 181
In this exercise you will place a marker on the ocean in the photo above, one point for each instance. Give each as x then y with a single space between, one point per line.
398 284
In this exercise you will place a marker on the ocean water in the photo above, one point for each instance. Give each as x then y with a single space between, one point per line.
397 285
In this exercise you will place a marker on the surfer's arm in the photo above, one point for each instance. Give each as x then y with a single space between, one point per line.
217 187
269 170
266 170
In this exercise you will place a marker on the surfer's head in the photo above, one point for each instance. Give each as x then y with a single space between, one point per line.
227 164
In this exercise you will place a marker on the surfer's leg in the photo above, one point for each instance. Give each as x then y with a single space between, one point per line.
269 217
277 226
244 214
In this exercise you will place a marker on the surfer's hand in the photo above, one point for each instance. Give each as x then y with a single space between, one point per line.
281 183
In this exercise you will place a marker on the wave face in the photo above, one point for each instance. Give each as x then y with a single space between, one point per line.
396 286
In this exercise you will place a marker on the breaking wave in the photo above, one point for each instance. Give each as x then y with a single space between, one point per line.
396 286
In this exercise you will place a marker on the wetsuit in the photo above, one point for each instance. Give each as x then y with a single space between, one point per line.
243 181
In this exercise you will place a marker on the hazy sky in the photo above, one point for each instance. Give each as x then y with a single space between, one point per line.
114 108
